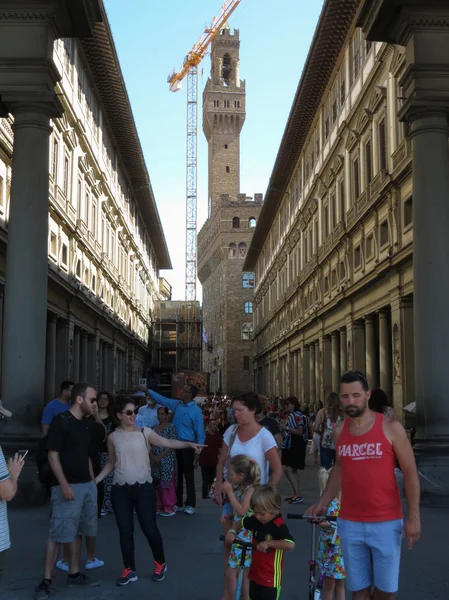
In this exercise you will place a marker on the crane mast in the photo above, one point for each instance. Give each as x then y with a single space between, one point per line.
190 70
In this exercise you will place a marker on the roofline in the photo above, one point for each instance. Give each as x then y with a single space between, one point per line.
330 34
101 56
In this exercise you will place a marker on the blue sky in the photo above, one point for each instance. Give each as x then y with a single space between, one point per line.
152 38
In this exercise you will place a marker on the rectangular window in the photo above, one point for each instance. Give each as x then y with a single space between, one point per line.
94 217
87 208
2 194
369 246
325 221
316 236
342 91
356 178
53 244
66 175
54 162
80 199
383 234
356 54
408 211
382 146
368 162
341 189
65 255
357 257
333 203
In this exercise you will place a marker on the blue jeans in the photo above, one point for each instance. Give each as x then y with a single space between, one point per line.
142 498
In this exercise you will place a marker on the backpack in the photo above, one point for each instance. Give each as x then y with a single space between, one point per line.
44 470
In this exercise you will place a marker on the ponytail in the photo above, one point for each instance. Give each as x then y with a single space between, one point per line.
248 467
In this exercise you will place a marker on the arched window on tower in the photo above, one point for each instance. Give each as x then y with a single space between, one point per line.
232 250
242 250
248 308
246 331
226 68
252 222
235 223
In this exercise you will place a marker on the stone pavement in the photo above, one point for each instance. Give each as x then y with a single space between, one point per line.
195 561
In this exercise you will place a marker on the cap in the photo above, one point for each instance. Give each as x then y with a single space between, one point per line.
3 411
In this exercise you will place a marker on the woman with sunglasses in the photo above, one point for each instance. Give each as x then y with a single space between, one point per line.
132 489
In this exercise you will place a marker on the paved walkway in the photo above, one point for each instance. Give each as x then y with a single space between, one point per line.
195 561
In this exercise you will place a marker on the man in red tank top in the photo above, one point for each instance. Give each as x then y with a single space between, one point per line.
370 521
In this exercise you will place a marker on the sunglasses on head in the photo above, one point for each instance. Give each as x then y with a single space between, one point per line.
130 412
358 374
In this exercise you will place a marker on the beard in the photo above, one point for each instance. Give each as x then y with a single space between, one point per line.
355 411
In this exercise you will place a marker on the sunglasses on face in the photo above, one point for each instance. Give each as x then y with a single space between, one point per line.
129 412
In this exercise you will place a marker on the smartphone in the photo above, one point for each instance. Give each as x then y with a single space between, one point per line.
22 454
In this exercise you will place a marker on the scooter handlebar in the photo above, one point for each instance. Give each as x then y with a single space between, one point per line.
310 518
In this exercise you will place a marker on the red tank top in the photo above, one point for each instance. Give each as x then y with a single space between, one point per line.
368 483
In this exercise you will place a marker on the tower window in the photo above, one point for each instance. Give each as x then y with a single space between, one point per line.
248 280
236 103
248 308
242 250
226 146
226 68
246 363
228 170
226 103
235 223
216 103
252 222
232 251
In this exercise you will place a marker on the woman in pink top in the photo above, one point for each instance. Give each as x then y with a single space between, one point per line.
132 488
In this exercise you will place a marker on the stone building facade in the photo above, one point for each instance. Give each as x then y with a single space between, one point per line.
226 235
105 240
332 254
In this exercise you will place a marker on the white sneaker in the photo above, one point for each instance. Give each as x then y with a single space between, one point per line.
62 566
189 510
177 508
96 563
167 514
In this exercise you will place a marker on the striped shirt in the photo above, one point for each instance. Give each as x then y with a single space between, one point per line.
5 542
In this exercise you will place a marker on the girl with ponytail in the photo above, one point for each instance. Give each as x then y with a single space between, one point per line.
243 476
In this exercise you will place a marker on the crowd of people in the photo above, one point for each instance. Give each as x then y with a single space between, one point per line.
138 454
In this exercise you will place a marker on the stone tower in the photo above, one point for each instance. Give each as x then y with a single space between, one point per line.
226 235
223 117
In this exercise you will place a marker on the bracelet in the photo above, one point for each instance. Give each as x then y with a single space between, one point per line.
232 531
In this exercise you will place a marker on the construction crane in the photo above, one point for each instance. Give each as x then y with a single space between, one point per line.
190 70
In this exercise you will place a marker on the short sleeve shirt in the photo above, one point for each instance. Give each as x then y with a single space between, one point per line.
266 568
255 448
53 408
5 542
73 442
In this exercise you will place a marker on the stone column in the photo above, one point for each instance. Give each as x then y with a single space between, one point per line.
105 367
113 366
296 374
423 28
312 377
100 364
343 352
305 370
335 349
327 362
76 355
385 352
62 351
84 354
92 360
50 358
370 352
358 333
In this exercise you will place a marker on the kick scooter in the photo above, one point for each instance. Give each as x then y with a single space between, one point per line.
314 589
245 546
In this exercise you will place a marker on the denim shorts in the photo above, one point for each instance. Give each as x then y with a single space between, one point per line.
372 554
70 518
226 509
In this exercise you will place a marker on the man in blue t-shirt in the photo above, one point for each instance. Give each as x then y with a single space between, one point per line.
57 406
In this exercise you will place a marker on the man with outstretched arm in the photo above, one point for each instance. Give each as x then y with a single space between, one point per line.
370 523
189 423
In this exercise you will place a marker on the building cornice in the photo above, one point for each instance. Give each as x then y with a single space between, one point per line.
101 57
330 35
